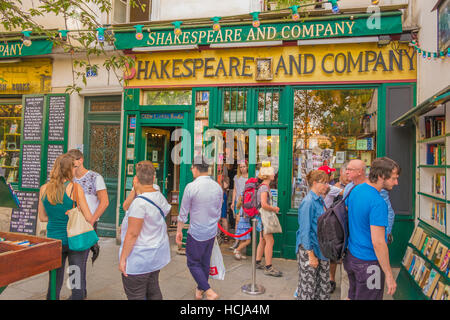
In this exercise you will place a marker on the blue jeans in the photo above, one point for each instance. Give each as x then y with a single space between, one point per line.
77 280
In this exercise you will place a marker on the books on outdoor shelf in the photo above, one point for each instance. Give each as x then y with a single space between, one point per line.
435 154
438 213
416 237
431 283
434 126
438 291
438 184
439 254
444 266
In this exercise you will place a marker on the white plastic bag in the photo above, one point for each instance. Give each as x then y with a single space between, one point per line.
216 267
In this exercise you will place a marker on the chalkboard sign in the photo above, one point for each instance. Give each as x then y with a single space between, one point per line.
53 152
56 118
31 166
24 219
33 116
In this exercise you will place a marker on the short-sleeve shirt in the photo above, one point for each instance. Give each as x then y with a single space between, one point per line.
91 182
151 250
263 188
239 185
366 208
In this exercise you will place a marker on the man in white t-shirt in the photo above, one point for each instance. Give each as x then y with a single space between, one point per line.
94 190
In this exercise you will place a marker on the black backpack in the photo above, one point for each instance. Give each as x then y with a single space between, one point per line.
332 230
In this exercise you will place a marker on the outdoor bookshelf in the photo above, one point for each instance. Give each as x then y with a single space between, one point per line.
425 272
425 265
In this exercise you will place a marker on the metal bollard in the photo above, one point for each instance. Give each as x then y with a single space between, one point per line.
253 288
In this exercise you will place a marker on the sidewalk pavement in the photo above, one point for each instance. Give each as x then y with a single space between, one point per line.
104 280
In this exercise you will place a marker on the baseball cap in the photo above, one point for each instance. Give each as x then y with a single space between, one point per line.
327 169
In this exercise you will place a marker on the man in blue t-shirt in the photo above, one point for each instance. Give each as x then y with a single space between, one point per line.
368 220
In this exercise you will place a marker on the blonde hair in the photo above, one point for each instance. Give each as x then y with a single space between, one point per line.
62 171
239 173
316 176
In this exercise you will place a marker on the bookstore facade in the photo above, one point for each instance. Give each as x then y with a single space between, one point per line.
292 104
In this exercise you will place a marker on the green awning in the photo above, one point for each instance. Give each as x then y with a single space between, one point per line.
426 106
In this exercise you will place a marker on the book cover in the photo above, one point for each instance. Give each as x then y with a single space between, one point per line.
438 291
416 272
13 128
443 266
422 240
433 278
406 257
432 248
413 262
438 254
424 245
446 293
417 237
424 277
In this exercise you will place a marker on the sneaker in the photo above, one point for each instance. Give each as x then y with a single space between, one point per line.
259 265
237 254
332 286
272 272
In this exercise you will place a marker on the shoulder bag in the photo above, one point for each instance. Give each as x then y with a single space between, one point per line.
80 233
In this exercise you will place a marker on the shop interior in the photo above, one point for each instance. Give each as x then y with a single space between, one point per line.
10 131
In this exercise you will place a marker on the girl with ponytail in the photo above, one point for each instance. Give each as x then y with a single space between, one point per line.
55 199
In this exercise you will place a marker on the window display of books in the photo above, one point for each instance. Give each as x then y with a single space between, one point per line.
427 261
10 128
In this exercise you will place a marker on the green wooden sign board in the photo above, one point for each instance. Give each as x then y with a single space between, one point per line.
326 27
17 49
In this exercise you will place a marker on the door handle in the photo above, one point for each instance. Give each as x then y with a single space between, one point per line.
165 183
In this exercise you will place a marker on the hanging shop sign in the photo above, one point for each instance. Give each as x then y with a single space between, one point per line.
299 64
25 77
348 26
17 49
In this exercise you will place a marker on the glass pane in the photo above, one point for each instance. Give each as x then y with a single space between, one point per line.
10 128
268 106
104 150
105 106
331 127
168 97
234 105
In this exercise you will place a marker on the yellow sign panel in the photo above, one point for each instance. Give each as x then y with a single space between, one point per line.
26 77
320 64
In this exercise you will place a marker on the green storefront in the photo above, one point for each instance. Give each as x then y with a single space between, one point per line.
271 95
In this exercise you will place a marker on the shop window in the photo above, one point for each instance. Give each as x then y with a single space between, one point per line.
10 128
268 105
331 127
168 97
234 105
105 106
201 119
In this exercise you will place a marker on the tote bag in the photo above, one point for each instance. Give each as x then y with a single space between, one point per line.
270 221
217 268
80 233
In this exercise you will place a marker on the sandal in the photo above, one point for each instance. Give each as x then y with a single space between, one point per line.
237 254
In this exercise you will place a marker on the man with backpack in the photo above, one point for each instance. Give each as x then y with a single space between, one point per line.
367 258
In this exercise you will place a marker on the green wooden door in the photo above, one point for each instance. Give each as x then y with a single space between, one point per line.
101 152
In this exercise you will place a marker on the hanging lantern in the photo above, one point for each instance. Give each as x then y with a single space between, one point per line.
63 34
295 14
256 23
448 52
424 54
216 24
334 6
26 38
139 35
429 56
101 34
177 25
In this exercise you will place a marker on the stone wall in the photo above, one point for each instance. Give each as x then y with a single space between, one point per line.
5 219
